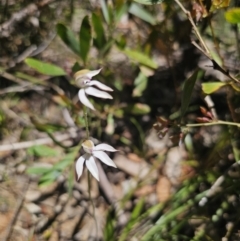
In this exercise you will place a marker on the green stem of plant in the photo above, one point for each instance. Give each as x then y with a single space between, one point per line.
218 122
85 111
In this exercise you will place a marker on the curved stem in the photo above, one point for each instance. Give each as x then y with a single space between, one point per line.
218 122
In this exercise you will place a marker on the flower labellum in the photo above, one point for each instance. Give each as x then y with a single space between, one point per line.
84 80
91 153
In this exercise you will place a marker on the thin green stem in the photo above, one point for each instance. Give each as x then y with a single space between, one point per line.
85 111
218 122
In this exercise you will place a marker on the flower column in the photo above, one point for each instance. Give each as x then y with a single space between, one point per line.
84 80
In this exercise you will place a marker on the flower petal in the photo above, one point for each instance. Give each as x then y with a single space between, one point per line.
97 93
99 85
90 74
104 158
83 98
79 165
104 147
92 167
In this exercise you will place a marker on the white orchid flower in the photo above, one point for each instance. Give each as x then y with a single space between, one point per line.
84 80
93 152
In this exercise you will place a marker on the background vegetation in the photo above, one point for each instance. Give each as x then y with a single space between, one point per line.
174 68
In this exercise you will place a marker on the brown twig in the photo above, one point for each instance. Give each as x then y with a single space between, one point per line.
42 141
216 66
193 25
204 50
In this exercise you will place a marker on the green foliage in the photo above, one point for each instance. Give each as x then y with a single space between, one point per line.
51 174
85 37
233 15
141 13
140 84
100 39
139 109
133 219
139 99
105 11
211 87
140 58
44 68
187 92
149 2
68 38
42 151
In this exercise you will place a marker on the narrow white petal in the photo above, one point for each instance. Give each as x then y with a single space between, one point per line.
92 167
90 74
79 165
104 147
97 93
104 158
84 100
99 85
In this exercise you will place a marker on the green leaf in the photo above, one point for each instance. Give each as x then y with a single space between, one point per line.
100 39
142 13
44 68
41 151
211 87
66 161
140 58
136 213
68 38
38 170
120 9
105 11
140 109
187 91
149 2
109 227
49 177
233 15
141 83
85 37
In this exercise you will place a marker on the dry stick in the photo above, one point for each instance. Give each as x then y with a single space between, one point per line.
193 25
13 78
42 141
23 82
206 52
211 106
216 66
21 88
